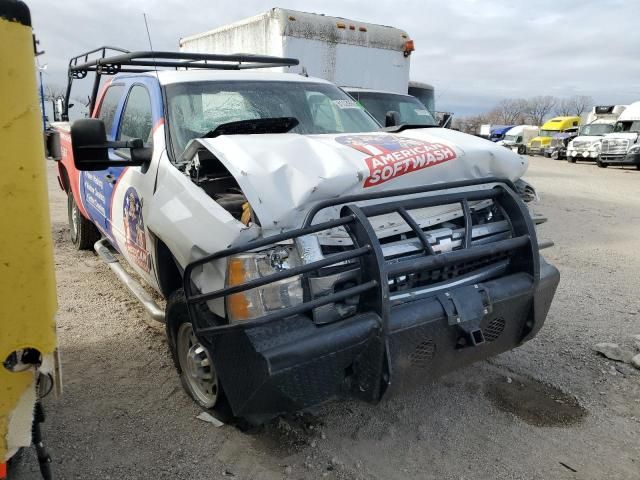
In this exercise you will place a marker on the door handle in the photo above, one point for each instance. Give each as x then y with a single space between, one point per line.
110 178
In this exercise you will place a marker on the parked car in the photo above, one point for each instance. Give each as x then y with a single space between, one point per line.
518 137
556 125
601 120
303 253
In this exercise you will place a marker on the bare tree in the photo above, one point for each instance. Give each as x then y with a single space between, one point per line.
581 103
53 91
510 111
575 105
538 108
564 107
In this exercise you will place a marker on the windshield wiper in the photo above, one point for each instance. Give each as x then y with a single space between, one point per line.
255 126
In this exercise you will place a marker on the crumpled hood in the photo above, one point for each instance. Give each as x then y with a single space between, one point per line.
283 175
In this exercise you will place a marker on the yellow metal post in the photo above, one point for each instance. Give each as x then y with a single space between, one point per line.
27 283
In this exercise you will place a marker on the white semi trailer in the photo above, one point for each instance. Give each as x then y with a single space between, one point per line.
345 52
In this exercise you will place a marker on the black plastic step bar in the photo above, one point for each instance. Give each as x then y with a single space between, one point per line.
373 291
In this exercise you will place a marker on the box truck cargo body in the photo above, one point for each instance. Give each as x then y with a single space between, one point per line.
345 52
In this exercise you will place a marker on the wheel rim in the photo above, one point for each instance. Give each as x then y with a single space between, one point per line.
197 367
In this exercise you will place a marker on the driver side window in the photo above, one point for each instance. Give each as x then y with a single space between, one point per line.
137 120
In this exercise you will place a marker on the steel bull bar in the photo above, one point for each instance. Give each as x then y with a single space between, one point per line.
488 298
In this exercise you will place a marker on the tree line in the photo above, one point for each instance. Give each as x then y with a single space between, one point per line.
522 111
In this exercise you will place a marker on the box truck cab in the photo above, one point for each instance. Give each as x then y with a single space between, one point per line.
622 147
600 121
391 109
549 129
518 137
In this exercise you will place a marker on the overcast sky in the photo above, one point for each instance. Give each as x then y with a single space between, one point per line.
474 52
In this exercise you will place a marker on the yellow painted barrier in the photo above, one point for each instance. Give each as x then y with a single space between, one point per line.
27 283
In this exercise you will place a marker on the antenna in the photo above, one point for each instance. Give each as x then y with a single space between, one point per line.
146 24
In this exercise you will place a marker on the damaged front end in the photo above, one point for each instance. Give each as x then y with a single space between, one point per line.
346 307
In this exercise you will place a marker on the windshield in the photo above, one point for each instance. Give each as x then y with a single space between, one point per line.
512 138
631 126
596 129
548 133
411 110
196 108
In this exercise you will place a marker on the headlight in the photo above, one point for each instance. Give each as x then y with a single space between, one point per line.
635 149
268 298
595 146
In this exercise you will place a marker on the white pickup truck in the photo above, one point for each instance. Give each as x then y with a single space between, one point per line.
304 252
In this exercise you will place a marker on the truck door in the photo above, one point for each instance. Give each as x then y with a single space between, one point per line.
131 186
96 187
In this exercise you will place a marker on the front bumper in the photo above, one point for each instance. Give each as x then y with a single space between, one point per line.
621 159
582 154
397 338
292 364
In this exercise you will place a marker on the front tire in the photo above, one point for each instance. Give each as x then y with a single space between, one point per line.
83 233
600 164
571 159
192 360
522 150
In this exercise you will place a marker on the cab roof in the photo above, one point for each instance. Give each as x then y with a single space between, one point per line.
561 123
166 77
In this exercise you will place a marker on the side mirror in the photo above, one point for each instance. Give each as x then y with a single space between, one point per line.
54 151
391 119
91 148
445 120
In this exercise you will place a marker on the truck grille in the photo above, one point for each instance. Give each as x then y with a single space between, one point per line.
557 142
581 145
614 146
493 236
535 144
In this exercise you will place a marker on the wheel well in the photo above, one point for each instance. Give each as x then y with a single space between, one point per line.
169 276
64 178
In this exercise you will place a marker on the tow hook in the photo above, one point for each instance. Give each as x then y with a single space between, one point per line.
465 308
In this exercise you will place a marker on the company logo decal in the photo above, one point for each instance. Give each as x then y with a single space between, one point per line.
136 241
392 156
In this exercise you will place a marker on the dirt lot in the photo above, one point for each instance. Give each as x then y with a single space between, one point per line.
550 409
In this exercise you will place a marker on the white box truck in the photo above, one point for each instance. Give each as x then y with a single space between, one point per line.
342 51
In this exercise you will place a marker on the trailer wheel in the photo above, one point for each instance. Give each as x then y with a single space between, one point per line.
600 164
522 150
192 360
83 233
571 159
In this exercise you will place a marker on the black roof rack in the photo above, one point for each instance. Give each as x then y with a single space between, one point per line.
121 60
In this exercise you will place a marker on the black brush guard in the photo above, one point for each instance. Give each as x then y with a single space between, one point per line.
284 361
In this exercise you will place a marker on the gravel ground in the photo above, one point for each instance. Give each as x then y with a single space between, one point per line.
550 409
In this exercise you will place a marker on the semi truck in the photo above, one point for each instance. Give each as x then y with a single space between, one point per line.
600 121
556 125
621 147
